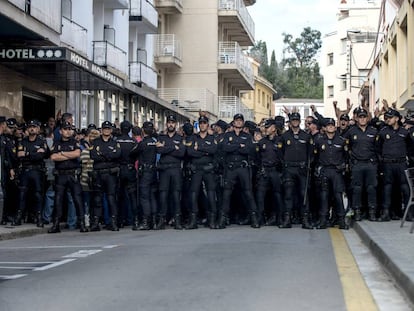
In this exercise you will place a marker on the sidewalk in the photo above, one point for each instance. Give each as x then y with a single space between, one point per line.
393 247
8 232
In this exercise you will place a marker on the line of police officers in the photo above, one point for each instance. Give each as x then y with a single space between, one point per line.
280 173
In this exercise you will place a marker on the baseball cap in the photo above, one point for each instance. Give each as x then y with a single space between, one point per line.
269 123
203 119
11 122
361 112
126 125
294 116
238 116
33 122
392 113
171 118
66 125
344 117
148 125
329 121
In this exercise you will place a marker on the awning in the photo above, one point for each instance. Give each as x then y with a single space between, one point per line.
60 67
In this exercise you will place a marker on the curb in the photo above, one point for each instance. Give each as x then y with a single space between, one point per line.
403 280
22 233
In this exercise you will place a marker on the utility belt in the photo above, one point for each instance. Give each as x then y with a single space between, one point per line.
205 167
32 167
355 161
66 172
145 166
236 165
129 166
166 166
401 160
111 171
334 167
294 164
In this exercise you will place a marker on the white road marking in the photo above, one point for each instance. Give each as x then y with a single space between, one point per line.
12 277
59 246
23 262
53 265
110 246
17 267
83 253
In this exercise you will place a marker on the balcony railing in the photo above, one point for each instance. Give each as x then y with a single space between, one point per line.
240 7
74 35
169 6
141 73
167 45
106 54
145 9
231 53
230 105
192 100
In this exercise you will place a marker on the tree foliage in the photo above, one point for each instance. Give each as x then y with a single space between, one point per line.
297 74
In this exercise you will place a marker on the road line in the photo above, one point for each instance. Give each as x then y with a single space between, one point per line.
17 267
24 262
53 265
12 277
356 293
54 246
83 253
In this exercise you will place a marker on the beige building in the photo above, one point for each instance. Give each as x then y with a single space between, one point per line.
347 52
260 100
392 76
124 59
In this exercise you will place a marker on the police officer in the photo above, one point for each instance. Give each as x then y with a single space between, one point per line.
31 152
128 173
146 151
269 175
65 152
201 149
296 147
393 140
171 148
105 154
219 129
330 152
3 166
361 140
237 146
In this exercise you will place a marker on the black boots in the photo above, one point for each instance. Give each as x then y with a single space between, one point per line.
114 226
323 224
222 221
177 224
145 224
342 224
18 219
305 222
135 224
385 215
372 214
254 220
95 224
82 226
211 220
39 220
192 224
160 225
357 214
55 227
286 221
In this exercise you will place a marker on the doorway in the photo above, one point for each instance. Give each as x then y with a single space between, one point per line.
38 106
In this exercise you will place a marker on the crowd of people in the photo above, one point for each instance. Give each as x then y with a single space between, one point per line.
272 173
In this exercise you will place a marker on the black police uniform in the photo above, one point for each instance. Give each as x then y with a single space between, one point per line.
127 176
237 168
67 178
364 168
201 152
31 175
296 153
147 154
105 156
170 171
269 176
330 157
393 153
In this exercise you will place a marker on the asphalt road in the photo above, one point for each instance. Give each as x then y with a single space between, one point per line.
238 268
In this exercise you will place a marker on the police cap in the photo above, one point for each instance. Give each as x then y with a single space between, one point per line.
250 125
148 125
203 119
66 125
294 116
269 123
222 124
329 121
106 125
11 122
126 125
2 119
34 123
344 117
392 113
361 112
238 116
91 126
171 118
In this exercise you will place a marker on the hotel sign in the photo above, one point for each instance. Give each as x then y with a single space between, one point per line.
48 54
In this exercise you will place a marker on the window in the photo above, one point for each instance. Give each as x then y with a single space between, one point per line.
330 91
67 9
343 45
330 59
263 99
343 82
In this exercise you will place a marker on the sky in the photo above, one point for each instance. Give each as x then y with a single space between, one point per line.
273 17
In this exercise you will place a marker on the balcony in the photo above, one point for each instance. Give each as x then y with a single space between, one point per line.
108 55
74 35
142 74
249 2
143 15
230 105
115 4
191 100
167 51
234 66
237 22
169 6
